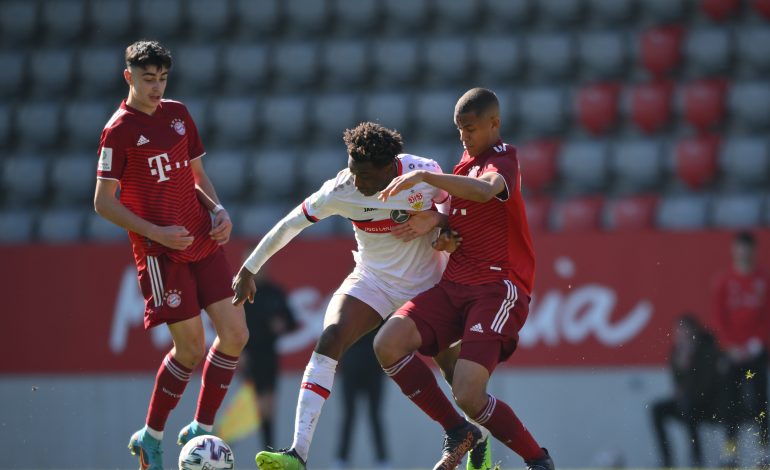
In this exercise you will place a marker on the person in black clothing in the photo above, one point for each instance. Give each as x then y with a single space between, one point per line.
267 318
693 361
362 375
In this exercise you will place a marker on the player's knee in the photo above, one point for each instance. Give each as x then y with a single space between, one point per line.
469 399
234 338
387 345
332 341
190 355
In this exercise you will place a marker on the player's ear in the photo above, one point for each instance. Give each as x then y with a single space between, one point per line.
127 76
495 121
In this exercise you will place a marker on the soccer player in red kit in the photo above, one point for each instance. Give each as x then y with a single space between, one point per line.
742 324
482 298
151 150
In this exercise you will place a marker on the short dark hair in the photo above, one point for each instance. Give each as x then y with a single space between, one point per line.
745 238
143 53
477 101
371 142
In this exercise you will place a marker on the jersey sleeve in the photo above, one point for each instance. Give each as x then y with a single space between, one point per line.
322 203
112 154
195 144
508 168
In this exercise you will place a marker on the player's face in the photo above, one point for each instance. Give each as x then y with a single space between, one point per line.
369 179
743 254
147 86
478 132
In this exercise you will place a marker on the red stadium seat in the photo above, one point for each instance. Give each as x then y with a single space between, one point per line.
632 213
661 49
704 103
651 105
695 160
538 164
719 10
597 107
537 213
762 7
579 214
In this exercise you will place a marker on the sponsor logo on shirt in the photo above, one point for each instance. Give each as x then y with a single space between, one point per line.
178 126
399 216
105 159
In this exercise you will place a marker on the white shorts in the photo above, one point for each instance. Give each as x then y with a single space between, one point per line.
375 294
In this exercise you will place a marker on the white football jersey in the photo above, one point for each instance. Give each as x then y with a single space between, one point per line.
408 267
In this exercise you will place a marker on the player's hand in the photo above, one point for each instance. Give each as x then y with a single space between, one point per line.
400 183
172 236
448 241
221 227
244 287
419 224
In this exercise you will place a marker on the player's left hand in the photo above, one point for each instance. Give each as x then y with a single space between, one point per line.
221 228
400 183
419 224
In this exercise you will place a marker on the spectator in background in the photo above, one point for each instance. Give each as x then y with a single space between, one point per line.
267 318
361 375
693 361
742 323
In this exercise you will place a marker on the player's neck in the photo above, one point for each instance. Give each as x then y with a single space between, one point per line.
137 105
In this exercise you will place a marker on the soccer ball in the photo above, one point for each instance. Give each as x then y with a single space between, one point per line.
206 453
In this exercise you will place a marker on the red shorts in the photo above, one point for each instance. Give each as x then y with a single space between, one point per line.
177 291
487 318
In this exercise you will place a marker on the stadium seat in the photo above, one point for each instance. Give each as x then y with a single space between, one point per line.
695 160
37 124
550 55
560 13
603 55
708 51
99 229
538 211
331 114
18 20
389 109
583 166
161 20
63 20
227 172
5 126
24 178
745 162
295 65
499 59
660 49
16 226
43 63
257 19
274 173
610 12
321 164
451 15
198 109
719 10
541 111
705 103
401 16
538 164
60 225
305 17
83 123
285 118
501 15
207 18
749 104
196 69
256 220
246 67
663 11
110 19
756 59
762 7
637 164
234 120
446 60
100 73
12 65
434 114
345 64
396 62
630 213
73 178
683 212
734 211
651 105
578 214
597 107
354 17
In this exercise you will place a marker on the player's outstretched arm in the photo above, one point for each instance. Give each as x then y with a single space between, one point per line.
480 189
222 226
109 207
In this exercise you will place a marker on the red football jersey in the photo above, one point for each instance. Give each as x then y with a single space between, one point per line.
496 242
150 157
742 308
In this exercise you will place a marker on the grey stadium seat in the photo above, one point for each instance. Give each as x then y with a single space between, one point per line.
255 221
23 178
745 161
5 125
498 58
84 121
295 64
60 225
227 171
756 58
97 228
285 118
246 66
101 71
501 15
389 109
12 65
110 18
683 212
51 71
406 16
737 211
73 177
610 12
207 18
637 164
159 19
749 104
306 16
18 20
541 110
257 17
708 51
345 63
550 55
603 55
662 11
16 225
198 109
274 173
446 60
451 15
434 114
196 68
37 124
583 165
332 114
355 16
234 120
63 20
560 12
319 165
395 61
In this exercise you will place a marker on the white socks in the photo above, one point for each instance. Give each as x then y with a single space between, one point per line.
315 389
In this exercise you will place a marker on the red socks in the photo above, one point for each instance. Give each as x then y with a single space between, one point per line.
503 423
218 371
170 382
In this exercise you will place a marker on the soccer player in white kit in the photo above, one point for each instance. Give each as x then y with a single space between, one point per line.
388 271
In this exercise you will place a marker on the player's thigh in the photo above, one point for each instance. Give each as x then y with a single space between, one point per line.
189 340
347 319
169 291
446 360
229 322
436 317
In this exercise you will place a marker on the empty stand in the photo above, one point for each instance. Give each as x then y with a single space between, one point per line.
684 212
637 164
409 16
345 64
733 211
705 103
550 55
695 160
560 13
63 20
5 126
446 60
83 123
355 16
389 109
498 58
160 20
451 15
16 225
60 225
274 173
663 11
196 68
749 103
234 120
110 19
284 118
538 164
603 55
651 105
762 7
756 59
434 113
257 220
227 171
541 111
51 71
18 20
319 165
207 18
99 229
24 178
611 12
305 17
597 107
660 49
395 61
745 162
257 18
246 67
100 72
578 214
708 51
720 10
12 65
295 64
73 178
583 166
332 114
37 124
538 211
631 213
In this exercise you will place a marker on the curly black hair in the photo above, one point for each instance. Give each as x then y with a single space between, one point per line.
143 53
371 142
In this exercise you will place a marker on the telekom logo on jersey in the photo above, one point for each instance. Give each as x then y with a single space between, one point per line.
159 166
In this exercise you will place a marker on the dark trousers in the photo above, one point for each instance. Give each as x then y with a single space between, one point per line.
664 410
367 383
745 397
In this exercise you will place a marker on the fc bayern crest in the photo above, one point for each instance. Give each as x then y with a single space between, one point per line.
178 126
173 298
